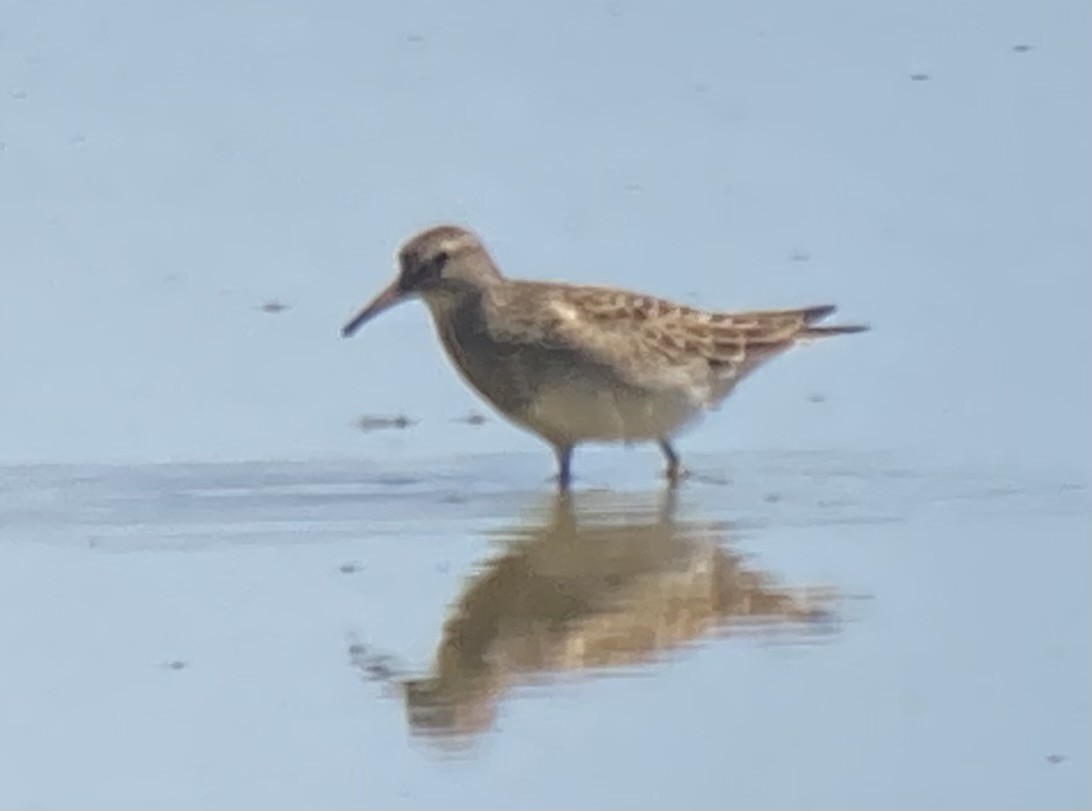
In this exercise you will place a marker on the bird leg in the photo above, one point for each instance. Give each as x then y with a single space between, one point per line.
674 472
564 459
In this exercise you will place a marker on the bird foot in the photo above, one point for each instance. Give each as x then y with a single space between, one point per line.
675 474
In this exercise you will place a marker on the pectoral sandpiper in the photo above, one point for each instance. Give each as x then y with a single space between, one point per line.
583 364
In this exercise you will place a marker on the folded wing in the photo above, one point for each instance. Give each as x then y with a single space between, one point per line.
652 343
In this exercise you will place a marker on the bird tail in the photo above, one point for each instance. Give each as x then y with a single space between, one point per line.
812 330
823 332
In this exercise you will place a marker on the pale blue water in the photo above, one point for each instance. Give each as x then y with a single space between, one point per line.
210 635
167 170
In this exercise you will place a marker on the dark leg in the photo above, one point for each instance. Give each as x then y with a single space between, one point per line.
674 472
564 459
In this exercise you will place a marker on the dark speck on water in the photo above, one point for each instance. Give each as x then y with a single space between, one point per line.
799 256
1055 758
816 397
176 664
374 423
473 418
372 666
1022 48
274 306
349 568
919 77
379 669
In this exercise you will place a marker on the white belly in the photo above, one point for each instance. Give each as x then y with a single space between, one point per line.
609 415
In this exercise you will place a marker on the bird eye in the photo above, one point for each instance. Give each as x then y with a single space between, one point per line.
422 271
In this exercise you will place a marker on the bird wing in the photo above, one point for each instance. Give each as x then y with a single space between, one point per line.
651 343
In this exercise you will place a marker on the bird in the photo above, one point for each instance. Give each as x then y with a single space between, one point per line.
575 363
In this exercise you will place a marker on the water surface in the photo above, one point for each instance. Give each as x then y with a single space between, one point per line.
823 630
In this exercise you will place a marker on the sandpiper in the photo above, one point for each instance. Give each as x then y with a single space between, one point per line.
579 364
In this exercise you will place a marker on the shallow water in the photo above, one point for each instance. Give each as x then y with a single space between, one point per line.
822 630
874 593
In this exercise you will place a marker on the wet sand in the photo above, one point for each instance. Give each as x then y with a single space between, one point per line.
821 630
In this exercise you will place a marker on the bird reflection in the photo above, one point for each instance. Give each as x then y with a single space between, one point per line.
611 584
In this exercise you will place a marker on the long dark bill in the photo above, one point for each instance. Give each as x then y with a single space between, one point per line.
384 301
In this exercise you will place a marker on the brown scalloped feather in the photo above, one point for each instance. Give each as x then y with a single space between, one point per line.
650 340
